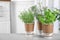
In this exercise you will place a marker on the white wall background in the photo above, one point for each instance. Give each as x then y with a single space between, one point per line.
5 17
21 5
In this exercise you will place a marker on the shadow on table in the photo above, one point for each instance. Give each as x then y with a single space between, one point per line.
39 36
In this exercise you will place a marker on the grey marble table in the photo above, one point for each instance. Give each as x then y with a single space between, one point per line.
27 37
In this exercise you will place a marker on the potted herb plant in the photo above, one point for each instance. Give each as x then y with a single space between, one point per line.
39 23
58 16
59 20
47 20
28 18
36 13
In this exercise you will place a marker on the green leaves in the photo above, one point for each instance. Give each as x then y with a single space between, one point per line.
45 16
48 17
27 16
59 17
33 8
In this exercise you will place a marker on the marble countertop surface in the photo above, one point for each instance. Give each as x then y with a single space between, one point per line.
27 37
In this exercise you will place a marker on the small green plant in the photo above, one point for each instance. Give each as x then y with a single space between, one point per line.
34 10
48 17
27 16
